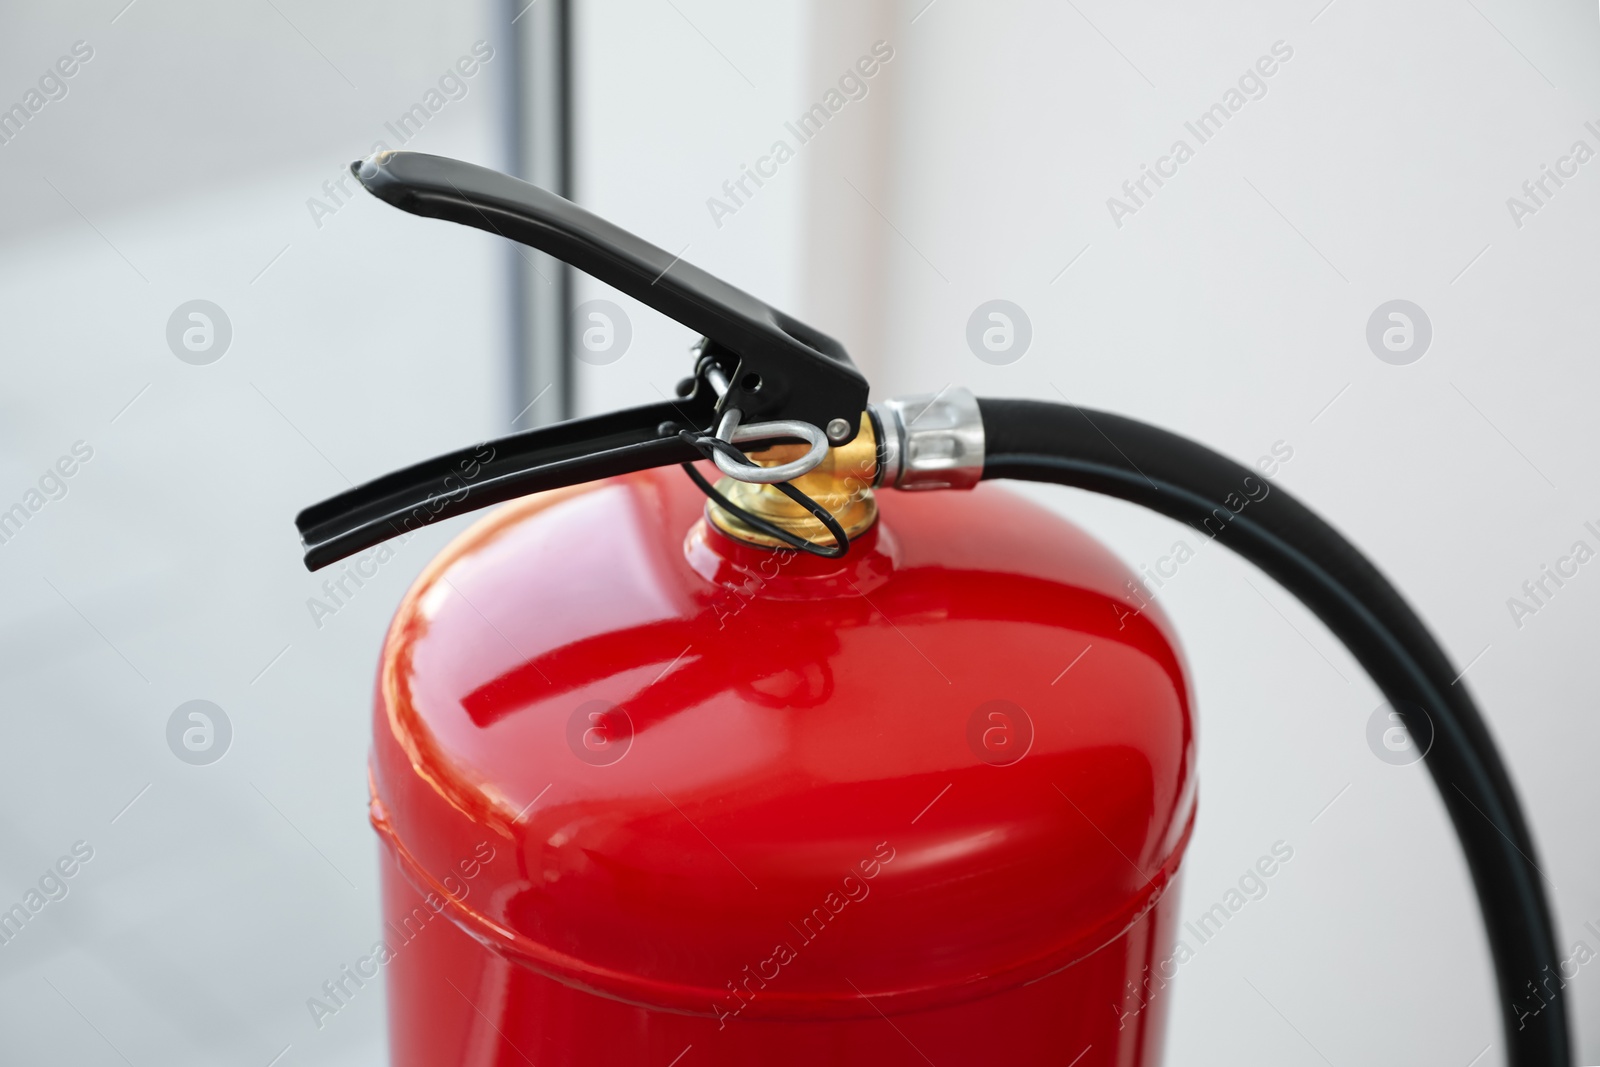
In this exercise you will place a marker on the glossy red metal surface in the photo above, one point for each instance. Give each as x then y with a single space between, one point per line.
670 791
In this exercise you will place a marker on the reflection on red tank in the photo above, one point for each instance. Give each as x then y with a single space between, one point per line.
773 808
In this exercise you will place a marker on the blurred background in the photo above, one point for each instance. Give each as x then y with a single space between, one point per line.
195 153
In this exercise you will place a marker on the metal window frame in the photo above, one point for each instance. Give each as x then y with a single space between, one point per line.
539 144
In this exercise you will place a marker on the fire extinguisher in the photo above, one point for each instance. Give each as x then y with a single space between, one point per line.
767 770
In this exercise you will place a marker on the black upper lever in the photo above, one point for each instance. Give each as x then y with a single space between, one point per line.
777 367
754 360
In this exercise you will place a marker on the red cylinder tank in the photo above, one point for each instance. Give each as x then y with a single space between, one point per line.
653 796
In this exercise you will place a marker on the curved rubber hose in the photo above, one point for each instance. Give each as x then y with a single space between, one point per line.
1047 442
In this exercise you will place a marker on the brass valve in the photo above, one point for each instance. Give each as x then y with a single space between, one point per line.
841 483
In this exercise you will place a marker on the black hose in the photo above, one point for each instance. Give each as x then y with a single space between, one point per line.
1047 442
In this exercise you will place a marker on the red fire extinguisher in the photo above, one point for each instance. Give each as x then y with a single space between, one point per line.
777 770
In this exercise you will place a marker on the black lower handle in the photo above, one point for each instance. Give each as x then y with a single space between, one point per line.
567 453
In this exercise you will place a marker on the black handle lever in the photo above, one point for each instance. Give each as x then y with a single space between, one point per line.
754 359
777 367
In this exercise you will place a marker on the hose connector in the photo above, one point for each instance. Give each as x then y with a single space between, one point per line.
931 441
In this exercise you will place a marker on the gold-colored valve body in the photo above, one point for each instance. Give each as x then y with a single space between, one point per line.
842 483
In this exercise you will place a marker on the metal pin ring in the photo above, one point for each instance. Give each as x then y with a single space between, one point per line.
730 431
